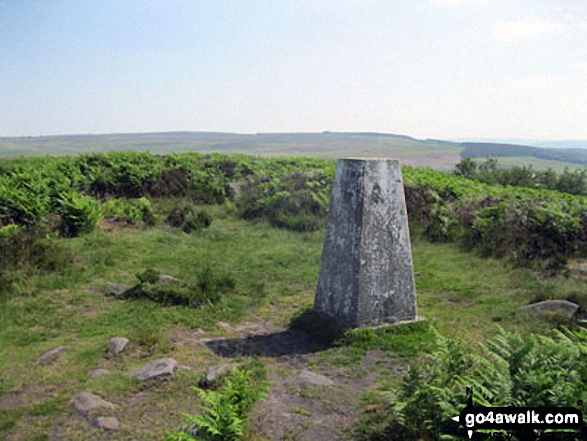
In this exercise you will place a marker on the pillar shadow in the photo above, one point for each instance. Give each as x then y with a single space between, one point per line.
287 342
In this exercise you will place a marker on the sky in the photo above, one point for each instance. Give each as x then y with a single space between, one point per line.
440 69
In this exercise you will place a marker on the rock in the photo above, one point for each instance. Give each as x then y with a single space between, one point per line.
224 325
107 423
85 402
157 368
117 344
315 379
96 373
580 268
236 187
116 289
163 278
214 372
49 355
563 308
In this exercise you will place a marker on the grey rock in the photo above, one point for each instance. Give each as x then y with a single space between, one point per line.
163 278
107 423
315 379
366 274
50 355
214 372
580 268
563 308
117 344
85 402
236 187
116 289
224 325
96 373
157 368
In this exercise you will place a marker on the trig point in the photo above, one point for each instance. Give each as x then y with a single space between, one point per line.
366 275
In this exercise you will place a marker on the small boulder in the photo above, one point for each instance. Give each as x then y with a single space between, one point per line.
116 289
163 278
85 402
50 355
117 344
96 373
107 423
214 372
563 308
315 379
224 325
157 368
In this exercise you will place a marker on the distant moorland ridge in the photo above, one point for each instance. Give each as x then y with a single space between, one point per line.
438 154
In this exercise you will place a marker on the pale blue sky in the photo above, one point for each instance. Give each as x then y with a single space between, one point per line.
425 68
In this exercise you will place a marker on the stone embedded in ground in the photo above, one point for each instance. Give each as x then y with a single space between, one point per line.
85 402
96 373
214 372
224 325
562 308
117 344
117 289
315 379
157 368
366 274
50 355
163 278
107 423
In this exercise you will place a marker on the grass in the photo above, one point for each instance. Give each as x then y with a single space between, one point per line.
275 271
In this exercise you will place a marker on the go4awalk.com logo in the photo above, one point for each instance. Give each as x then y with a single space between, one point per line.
515 418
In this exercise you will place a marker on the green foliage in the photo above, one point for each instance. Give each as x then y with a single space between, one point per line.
488 172
534 224
296 201
79 214
207 290
129 211
508 371
224 411
186 217
29 247
25 251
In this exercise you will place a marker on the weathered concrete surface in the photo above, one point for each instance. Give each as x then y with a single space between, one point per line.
366 275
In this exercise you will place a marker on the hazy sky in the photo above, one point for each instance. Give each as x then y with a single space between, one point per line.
425 68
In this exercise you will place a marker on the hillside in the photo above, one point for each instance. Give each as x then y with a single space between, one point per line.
484 150
438 154
207 263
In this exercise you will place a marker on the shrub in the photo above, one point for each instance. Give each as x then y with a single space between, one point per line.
538 371
225 411
207 290
188 218
29 247
131 211
26 250
296 201
79 214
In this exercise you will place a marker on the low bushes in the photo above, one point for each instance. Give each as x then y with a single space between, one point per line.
79 214
224 411
207 289
129 211
188 218
538 371
296 202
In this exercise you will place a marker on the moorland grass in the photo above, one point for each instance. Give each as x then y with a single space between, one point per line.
275 272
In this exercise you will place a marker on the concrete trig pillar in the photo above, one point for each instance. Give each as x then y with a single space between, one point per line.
366 275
